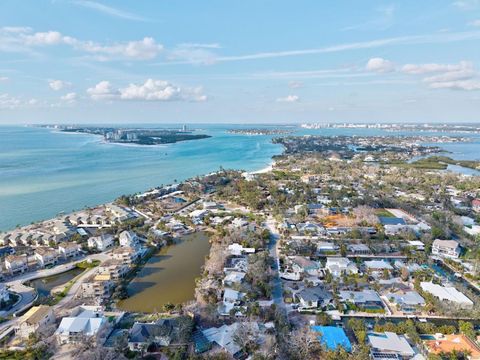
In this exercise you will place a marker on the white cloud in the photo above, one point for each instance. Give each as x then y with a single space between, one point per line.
102 91
433 67
45 38
380 65
69 97
289 99
200 54
144 49
109 10
3 78
150 90
57 85
9 102
160 90
457 85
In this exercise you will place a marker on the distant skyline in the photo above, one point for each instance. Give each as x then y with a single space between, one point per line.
249 61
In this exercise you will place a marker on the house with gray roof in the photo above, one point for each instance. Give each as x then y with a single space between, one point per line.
314 297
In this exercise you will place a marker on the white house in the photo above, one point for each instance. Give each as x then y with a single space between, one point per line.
340 265
86 324
68 249
101 243
389 345
46 256
446 248
448 293
34 321
16 263
128 238
237 249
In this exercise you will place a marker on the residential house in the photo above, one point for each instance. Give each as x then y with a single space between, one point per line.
314 297
446 344
224 336
365 299
128 238
46 256
476 205
327 247
237 249
446 248
389 345
377 267
407 301
231 299
101 243
117 269
97 286
16 264
233 277
359 249
337 266
126 254
34 321
68 249
141 335
448 293
86 323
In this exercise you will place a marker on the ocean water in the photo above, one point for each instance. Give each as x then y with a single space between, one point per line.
44 173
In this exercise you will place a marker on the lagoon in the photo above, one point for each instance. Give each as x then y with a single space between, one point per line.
168 276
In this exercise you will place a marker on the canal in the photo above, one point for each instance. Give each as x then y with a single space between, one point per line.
45 285
168 276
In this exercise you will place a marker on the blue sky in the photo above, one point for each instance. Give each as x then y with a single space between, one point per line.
275 61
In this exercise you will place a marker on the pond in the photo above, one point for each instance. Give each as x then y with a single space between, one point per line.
45 285
168 276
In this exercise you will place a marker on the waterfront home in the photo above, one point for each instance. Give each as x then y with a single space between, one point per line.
46 256
4 294
333 337
327 247
377 268
126 254
86 323
314 297
34 321
446 344
101 243
117 269
337 266
233 277
365 299
16 264
224 336
129 238
119 213
97 286
231 299
359 249
447 293
68 249
389 345
236 263
446 248
406 301
142 335
237 249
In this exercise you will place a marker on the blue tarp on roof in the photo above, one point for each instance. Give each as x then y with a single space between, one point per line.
391 220
333 337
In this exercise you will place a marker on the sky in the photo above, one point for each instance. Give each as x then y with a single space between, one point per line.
248 61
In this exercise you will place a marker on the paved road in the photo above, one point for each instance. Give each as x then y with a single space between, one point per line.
277 291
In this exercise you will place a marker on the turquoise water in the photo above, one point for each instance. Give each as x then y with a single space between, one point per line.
43 173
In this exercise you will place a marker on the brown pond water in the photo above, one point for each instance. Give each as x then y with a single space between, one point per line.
168 276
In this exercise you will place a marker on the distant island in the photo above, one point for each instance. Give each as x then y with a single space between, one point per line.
136 136
260 131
